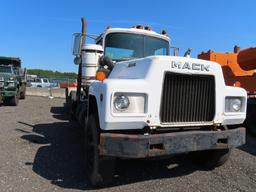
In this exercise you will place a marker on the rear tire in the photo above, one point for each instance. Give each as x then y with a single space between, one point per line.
23 95
23 91
71 110
99 169
211 159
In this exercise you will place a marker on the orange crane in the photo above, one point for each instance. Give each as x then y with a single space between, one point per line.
239 70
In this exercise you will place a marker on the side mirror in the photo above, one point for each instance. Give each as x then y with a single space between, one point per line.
78 60
77 44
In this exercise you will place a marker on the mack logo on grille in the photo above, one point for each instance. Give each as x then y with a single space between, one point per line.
190 66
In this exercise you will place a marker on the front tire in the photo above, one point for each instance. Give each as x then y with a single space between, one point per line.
211 159
250 121
99 169
14 101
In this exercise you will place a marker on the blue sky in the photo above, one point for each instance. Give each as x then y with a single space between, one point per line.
40 31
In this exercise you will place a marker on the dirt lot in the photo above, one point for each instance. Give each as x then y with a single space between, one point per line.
41 151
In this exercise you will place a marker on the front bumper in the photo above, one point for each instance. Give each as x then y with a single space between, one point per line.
141 146
6 93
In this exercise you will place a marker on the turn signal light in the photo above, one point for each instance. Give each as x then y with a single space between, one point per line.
100 75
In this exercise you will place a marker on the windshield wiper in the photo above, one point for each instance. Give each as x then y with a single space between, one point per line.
125 59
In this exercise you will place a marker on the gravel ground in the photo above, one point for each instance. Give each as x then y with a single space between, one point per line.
41 151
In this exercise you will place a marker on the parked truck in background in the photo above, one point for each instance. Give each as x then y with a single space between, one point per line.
239 71
134 100
12 80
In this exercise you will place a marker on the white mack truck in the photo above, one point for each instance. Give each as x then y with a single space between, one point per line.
134 100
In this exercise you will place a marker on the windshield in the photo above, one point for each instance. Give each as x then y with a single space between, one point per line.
125 46
5 69
45 80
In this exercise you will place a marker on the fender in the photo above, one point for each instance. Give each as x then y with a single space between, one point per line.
97 96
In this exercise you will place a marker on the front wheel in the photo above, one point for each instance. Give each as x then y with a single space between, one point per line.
250 121
99 169
14 101
211 159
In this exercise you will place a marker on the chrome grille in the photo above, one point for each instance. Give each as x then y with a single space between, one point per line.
187 98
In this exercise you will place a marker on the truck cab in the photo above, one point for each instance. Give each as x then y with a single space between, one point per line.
137 101
8 84
12 80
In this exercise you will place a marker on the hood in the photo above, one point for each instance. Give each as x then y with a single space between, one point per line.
156 66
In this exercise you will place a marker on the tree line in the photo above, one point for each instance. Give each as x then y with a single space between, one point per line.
52 74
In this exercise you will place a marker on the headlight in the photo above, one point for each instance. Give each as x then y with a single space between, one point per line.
233 104
129 103
121 103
